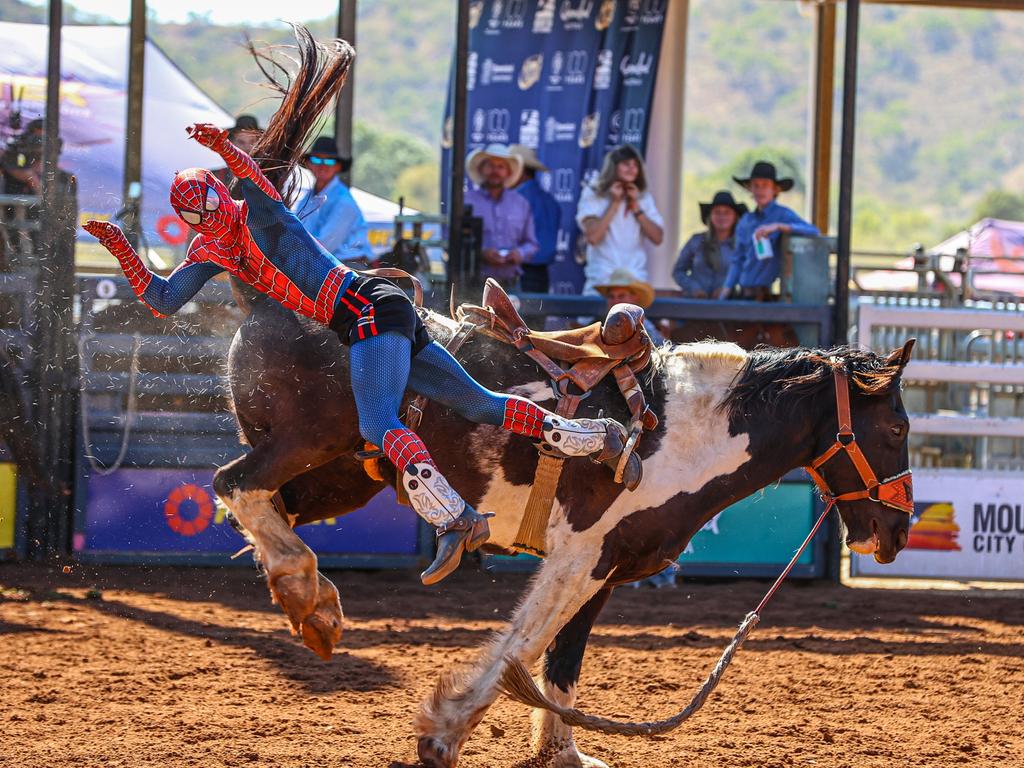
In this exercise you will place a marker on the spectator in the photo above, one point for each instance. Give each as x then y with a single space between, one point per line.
509 239
328 210
617 215
547 215
704 261
623 287
758 235
22 161
243 134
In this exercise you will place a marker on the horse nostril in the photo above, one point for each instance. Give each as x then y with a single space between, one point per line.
901 539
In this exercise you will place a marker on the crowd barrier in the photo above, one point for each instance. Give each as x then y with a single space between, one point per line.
964 390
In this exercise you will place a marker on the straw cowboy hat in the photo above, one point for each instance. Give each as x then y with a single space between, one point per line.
721 198
764 170
477 157
623 278
529 157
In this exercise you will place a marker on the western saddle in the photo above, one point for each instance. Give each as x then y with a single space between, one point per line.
576 360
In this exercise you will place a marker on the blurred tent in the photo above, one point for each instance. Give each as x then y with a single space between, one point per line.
996 251
93 116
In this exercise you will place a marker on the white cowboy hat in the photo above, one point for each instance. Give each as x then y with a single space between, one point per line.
477 157
529 157
623 278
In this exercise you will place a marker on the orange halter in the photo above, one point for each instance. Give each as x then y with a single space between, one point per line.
896 492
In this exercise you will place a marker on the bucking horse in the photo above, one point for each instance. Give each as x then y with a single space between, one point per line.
730 423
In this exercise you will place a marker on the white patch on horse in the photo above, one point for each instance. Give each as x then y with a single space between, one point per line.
537 391
552 739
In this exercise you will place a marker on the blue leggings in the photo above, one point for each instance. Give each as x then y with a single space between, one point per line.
382 368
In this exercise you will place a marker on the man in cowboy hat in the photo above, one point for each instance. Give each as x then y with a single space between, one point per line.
623 287
758 235
547 216
328 210
509 239
704 261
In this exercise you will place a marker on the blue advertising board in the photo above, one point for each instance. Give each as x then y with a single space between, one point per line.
569 78
173 514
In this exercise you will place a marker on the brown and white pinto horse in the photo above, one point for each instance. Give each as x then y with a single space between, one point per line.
731 422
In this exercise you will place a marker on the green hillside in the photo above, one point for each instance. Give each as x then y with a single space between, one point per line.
940 102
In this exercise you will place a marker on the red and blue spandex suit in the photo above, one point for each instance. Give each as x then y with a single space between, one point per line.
260 241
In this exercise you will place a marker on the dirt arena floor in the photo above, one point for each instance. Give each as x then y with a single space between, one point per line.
187 667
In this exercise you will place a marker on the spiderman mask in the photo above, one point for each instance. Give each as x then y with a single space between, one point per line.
204 203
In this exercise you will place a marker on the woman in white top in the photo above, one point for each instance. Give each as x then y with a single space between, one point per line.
617 215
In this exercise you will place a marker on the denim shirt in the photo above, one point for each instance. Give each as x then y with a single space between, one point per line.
333 217
694 271
747 270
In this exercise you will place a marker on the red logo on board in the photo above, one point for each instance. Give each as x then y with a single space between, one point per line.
200 500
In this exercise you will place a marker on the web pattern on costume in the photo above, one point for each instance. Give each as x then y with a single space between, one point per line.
258 240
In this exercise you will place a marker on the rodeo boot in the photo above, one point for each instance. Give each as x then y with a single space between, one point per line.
460 528
603 440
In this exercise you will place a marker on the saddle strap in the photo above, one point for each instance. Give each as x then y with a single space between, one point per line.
532 534
395 273
634 395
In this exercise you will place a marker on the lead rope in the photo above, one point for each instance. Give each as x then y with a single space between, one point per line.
129 412
517 684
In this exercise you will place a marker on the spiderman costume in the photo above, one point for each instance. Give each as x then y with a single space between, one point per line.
260 241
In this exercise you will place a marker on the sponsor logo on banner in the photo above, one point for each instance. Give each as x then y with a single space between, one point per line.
544 18
494 22
529 73
563 185
529 128
471 67
476 134
632 16
476 10
634 70
576 67
498 123
652 11
545 179
590 177
603 71
614 137
588 129
555 75
575 13
555 130
492 72
934 527
563 239
506 14
605 15
626 126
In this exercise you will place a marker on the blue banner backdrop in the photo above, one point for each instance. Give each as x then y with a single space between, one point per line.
570 78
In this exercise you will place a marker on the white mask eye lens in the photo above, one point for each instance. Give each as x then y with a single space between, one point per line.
191 217
212 199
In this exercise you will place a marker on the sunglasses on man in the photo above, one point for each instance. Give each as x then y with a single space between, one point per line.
323 160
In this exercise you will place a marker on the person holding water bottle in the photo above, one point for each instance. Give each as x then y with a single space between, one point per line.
758 235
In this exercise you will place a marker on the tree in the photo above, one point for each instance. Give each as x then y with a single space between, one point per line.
379 157
1000 204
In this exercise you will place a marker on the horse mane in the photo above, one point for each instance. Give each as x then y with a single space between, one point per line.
779 379
320 72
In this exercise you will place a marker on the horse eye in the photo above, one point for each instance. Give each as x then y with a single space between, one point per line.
897 429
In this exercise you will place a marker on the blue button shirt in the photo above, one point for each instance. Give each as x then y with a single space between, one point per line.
747 270
694 272
547 216
333 218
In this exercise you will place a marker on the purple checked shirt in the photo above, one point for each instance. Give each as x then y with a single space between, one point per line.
507 223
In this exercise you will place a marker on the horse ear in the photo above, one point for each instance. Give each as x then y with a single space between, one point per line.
901 356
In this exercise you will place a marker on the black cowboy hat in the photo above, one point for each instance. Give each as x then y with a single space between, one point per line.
764 170
325 146
721 197
245 123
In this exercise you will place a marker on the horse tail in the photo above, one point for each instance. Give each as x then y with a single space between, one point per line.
305 95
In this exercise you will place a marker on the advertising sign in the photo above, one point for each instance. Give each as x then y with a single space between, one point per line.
763 529
967 524
8 504
568 78
175 511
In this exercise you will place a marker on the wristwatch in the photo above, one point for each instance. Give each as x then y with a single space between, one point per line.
639 212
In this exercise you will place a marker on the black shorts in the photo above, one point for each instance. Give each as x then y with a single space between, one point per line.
373 305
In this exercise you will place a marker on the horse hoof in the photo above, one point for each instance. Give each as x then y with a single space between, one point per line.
296 594
320 634
577 759
434 754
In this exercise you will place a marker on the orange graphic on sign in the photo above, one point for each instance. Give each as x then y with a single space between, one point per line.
172 509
